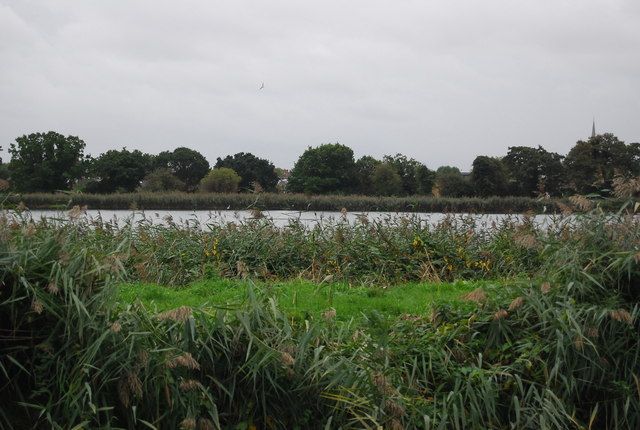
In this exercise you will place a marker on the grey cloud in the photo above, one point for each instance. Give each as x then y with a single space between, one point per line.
439 81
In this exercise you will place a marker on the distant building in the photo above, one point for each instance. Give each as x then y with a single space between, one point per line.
593 128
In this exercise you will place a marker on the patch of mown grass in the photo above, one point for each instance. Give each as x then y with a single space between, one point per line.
304 298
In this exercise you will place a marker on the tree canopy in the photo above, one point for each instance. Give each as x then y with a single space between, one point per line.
220 180
533 170
251 169
385 180
161 179
416 177
364 168
119 171
591 165
328 168
451 183
186 164
46 162
489 176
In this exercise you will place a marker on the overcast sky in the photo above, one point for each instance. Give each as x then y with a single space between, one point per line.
440 81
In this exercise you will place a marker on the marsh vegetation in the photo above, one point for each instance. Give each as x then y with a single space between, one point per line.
398 324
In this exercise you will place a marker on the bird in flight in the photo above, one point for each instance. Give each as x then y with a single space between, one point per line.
262 86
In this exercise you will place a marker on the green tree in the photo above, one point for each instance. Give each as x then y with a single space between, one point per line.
186 164
251 169
46 162
364 169
119 171
416 177
406 168
591 165
385 180
220 180
161 179
532 170
328 168
488 176
451 183
425 178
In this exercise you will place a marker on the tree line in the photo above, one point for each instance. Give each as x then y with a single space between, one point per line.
50 162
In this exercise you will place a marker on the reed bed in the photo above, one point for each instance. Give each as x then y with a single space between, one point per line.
298 202
563 354
388 250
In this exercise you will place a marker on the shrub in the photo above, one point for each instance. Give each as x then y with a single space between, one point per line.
220 180
161 180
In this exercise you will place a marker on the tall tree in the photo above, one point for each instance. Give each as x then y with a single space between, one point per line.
385 180
591 165
118 171
251 169
46 161
489 176
186 164
425 178
451 183
328 168
416 177
365 166
406 168
533 170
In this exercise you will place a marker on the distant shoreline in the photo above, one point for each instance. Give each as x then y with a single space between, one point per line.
298 202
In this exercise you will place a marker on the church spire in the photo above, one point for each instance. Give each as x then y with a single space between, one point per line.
593 128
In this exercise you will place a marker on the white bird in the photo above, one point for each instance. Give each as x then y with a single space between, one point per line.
262 86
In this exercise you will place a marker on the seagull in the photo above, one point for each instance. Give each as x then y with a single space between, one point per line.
262 86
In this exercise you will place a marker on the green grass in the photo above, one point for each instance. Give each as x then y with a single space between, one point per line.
304 298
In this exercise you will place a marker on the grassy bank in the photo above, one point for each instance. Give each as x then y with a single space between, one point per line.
302 299
559 349
298 202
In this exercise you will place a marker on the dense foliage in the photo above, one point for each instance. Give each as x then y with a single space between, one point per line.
559 350
187 165
329 168
255 172
533 170
118 171
385 180
48 162
489 177
161 180
220 180
450 182
593 164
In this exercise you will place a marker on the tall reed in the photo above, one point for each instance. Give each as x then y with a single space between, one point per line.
564 353
298 202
